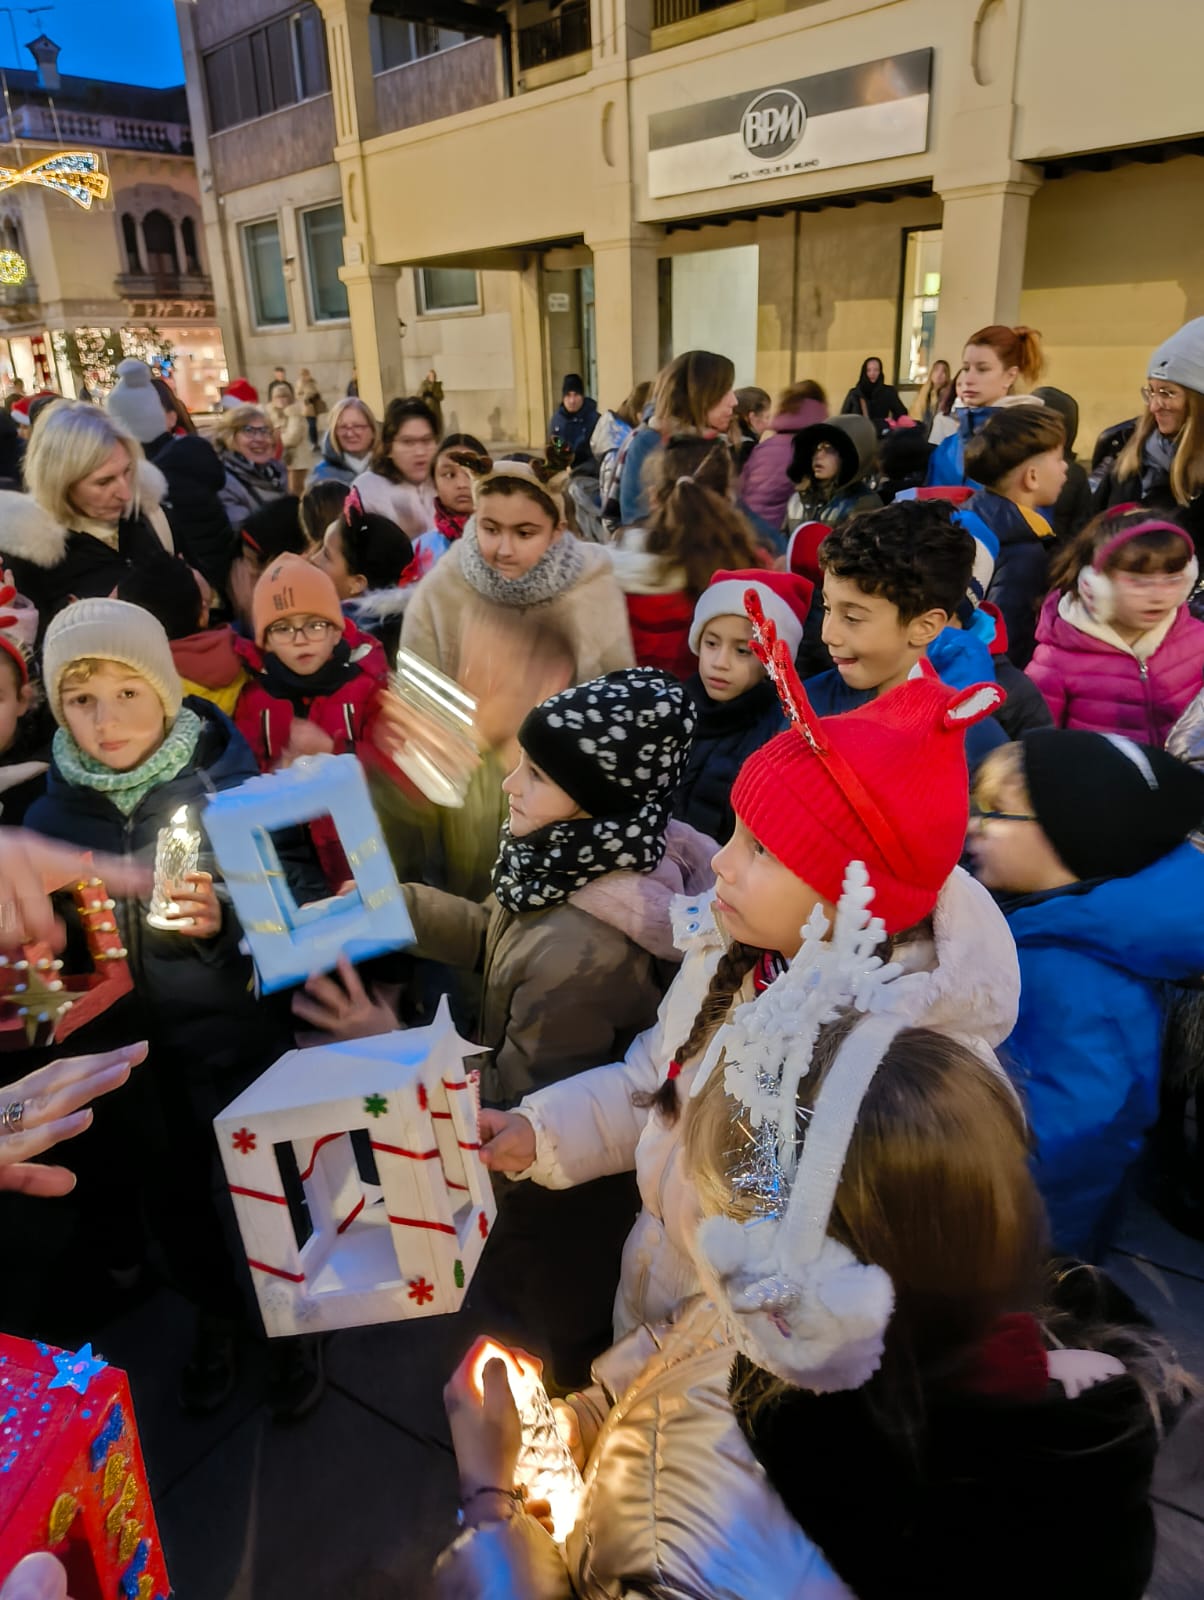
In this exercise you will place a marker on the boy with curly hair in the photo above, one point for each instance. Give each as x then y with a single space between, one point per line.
894 581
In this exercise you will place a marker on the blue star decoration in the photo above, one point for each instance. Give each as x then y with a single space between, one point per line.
76 1371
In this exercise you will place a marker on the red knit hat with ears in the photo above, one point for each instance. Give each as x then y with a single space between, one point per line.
11 630
886 784
785 599
1096 588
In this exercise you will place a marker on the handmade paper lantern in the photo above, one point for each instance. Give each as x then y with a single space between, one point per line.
72 1478
399 1242
40 1002
290 942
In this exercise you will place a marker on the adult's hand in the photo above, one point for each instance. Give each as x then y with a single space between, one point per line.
485 1427
31 868
55 1107
507 1141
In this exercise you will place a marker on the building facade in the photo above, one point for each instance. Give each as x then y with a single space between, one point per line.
801 183
82 287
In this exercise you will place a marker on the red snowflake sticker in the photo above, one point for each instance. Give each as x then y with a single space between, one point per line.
422 1100
244 1141
421 1291
483 1224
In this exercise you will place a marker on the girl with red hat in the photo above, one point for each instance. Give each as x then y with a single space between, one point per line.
885 785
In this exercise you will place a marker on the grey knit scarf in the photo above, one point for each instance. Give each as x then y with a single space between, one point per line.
556 570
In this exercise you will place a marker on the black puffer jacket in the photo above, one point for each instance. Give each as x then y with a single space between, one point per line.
725 735
199 524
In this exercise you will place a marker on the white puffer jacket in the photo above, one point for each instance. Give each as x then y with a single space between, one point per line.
964 982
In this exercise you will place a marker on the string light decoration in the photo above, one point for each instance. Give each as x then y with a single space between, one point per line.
13 268
75 173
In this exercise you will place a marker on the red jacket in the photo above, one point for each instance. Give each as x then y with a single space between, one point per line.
660 631
265 721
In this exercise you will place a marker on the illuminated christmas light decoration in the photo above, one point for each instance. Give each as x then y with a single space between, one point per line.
75 173
13 268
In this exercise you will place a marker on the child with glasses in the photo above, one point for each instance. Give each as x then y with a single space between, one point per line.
1083 840
314 681
1117 649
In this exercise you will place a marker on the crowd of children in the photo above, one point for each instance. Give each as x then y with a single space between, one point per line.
822 821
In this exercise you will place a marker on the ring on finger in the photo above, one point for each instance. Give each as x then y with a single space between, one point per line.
11 1116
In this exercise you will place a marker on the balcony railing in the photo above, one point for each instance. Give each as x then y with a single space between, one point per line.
19 294
665 12
565 34
39 125
164 286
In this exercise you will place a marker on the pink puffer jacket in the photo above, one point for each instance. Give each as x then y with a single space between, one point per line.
765 486
1105 688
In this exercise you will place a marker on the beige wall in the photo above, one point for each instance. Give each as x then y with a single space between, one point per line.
1115 263
474 355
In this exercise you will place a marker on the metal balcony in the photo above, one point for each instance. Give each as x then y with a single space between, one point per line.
164 286
565 34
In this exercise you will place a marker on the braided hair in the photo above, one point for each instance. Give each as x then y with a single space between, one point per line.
736 963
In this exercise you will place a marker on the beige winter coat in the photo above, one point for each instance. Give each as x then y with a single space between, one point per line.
676 1506
591 614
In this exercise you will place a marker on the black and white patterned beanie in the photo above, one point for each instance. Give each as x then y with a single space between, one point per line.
617 746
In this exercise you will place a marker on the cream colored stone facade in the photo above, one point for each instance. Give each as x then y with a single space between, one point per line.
1061 161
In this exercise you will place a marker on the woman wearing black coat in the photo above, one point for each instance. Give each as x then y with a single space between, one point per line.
873 398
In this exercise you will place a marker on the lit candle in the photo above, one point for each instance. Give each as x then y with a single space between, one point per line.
545 1466
176 855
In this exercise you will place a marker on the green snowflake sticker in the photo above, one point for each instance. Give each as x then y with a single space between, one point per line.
458 1274
376 1105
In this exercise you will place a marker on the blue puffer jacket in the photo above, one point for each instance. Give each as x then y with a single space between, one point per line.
947 463
1086 1046
1020 580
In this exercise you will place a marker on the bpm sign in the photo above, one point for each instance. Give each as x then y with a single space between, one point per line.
773 124
864 112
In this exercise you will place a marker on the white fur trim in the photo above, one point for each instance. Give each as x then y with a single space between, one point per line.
29 533
726 599
151 486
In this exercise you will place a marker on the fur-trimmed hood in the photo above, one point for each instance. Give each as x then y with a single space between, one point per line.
30 533
639 903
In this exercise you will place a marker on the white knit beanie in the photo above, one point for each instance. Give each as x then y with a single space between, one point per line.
1180 359
134 402
110 630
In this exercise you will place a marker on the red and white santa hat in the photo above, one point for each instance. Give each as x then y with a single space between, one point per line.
785 599
239 393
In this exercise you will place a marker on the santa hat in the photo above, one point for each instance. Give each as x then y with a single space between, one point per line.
239 393
1096 589
802 553
886 784
785 600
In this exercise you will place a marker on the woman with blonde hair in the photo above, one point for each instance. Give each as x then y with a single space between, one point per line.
351 436
695 393
1161 464
246 443
91 514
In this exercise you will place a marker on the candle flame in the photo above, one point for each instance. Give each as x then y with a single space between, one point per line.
180 819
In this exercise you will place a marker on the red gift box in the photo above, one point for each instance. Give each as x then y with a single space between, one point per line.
72 1478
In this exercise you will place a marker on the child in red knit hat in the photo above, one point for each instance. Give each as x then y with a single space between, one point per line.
885 785
735 701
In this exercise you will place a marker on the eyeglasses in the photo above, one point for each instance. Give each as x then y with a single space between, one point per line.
1144 581
313 628
977 814
1165 397
257 433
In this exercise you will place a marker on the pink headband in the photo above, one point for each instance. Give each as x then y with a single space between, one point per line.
1108 550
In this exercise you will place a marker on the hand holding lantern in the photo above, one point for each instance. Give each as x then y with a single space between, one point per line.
176 856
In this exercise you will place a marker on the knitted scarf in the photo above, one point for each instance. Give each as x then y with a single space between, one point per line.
546 866
556 570
449 523
127 790
1157 459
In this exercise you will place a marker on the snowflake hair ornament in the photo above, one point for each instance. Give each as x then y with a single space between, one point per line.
799 1302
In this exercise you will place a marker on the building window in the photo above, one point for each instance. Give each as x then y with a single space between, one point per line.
129 236
267 69
265 273
323 233
192 256
444 289
160 238
396 43
918 302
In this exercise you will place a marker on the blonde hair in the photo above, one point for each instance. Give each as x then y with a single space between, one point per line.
1187 464
72 440
351 402
77 672
233 422
1001 774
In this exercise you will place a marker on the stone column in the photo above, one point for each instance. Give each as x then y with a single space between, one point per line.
984 232
625 293
375 331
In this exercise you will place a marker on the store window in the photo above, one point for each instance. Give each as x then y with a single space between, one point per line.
322 230
919 302
265 273
444 289
267 69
